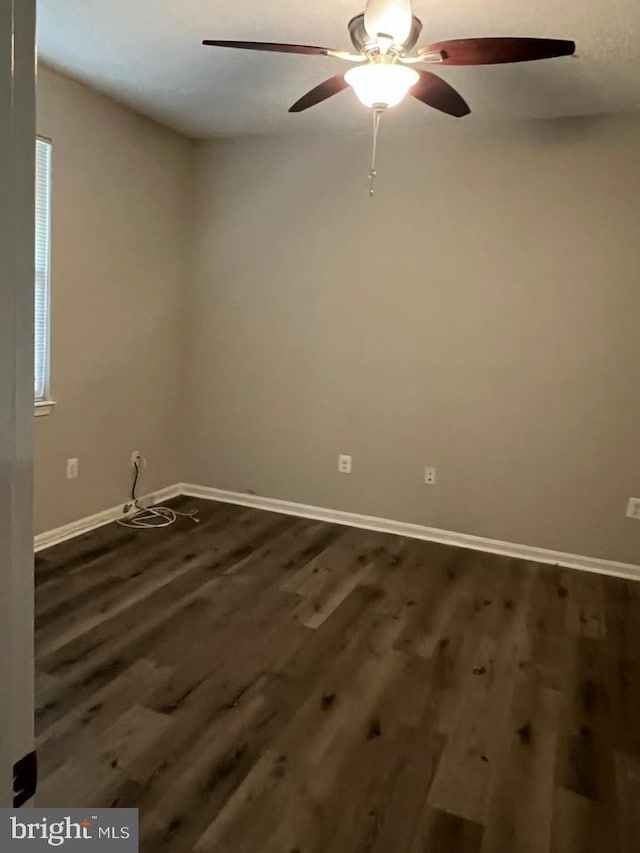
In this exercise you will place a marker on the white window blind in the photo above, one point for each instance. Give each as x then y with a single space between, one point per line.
43 236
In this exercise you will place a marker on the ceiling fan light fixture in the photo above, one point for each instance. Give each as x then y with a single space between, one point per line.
392 18
381 85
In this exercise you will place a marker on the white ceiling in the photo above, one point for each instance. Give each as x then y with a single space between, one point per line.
147 54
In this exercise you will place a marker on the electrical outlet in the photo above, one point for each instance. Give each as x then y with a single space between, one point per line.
72 469
430 476
344 464
137 457
633 508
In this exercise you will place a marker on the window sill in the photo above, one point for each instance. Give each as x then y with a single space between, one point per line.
43 408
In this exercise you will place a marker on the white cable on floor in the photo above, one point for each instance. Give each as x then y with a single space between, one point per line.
157 516
151 517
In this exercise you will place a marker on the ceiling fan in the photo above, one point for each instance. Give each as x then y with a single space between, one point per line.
385 36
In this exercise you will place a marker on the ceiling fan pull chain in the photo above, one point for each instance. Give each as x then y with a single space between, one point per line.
377 115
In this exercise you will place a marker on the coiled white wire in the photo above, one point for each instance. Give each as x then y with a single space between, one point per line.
157 516
150 517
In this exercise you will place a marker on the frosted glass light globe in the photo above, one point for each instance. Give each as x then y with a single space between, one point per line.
391 17
381 85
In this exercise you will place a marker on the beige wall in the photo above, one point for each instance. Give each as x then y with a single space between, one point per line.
479 315
120 250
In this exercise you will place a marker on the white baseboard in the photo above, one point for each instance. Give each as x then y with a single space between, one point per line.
417 531
84 525
349 519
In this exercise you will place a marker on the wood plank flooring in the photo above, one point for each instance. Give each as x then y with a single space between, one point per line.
258 682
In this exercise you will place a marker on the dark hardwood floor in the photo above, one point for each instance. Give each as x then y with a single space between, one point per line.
264 683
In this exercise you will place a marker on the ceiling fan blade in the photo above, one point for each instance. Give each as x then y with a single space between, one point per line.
273 47
491 51
437 93
325 90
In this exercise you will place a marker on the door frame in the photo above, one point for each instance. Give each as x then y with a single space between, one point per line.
17 154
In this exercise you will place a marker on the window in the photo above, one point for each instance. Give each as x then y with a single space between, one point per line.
43 232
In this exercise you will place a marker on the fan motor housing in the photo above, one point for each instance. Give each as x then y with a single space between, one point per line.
361 38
